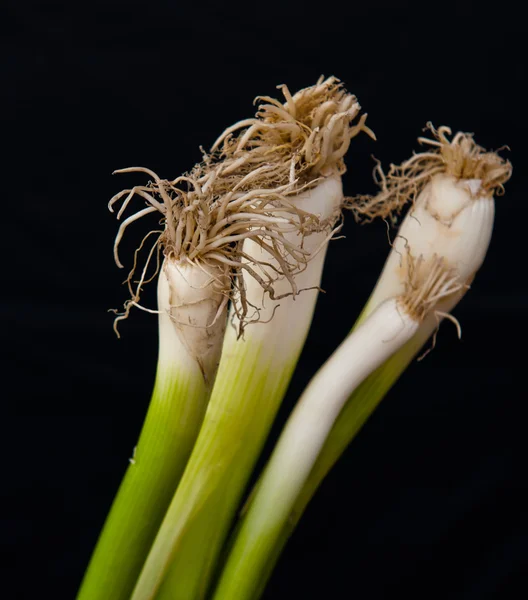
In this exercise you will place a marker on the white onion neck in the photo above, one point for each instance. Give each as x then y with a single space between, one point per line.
192 317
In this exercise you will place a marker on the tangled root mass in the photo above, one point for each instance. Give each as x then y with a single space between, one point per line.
245 188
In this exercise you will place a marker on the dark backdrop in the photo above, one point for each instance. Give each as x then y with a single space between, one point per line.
430 500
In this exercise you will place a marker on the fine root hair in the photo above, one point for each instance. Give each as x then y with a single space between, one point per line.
303 138
460 157
245 188
427 283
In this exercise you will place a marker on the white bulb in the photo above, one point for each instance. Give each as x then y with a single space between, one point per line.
193 311
450 218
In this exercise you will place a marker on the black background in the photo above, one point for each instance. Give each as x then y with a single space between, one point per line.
430 500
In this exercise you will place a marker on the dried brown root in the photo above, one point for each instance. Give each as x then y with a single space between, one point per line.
303 138
135 293
428 282
460 157
245 190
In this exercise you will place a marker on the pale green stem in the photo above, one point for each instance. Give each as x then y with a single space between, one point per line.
235 436
227 447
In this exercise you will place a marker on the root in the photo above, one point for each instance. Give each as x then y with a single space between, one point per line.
441 315
305 137
428 282
460 157
136 293
245 188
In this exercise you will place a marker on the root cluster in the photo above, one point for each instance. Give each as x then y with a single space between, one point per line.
244 189
460 157
427 283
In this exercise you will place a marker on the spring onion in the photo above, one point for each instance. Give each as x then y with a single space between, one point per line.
440 246
233 230
308 135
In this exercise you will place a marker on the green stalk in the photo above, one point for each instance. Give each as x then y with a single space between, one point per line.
175 413
229 445
184 378
247 394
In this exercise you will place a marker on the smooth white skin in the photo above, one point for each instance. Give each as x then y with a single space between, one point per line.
452 219
387 329
192 318
290 317
375 340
